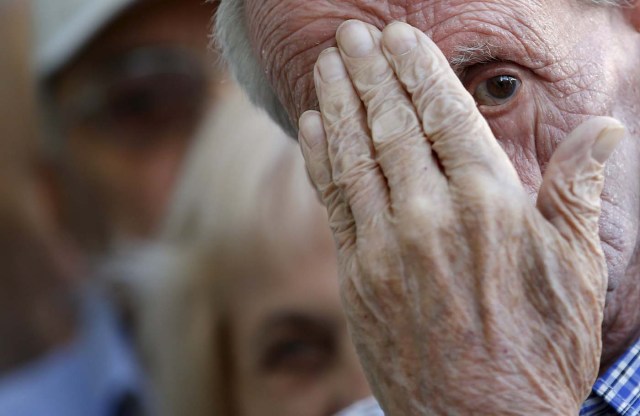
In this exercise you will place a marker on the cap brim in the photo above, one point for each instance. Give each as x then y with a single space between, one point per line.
56 51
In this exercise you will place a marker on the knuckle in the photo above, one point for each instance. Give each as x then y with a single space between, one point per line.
583 187
383 283
487 202
482 192
339 104
350 161
392 123
418 208
349 127
447 112
371 74
417 70
469 166
420 216
319 172
361 192
581 195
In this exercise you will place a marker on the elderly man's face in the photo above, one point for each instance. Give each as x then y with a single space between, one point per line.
536 68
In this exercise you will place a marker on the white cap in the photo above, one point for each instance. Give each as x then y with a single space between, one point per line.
64 27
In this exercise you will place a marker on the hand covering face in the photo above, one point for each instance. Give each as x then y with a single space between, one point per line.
461 294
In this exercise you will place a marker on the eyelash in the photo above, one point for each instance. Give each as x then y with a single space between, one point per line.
479 73
483 89
297 355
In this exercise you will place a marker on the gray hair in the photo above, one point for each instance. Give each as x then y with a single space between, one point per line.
244 206
231 34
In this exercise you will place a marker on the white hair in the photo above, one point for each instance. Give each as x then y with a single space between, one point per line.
231 34
243 202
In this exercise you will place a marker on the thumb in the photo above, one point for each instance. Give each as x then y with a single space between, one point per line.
569 197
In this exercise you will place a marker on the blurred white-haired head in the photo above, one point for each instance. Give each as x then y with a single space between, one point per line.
244 204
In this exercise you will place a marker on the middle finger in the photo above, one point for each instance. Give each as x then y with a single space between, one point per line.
402 150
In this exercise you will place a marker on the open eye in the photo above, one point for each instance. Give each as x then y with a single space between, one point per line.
141 96
146 107
297 346
299 356
497 90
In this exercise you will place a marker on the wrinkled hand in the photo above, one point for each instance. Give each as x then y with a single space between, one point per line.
462 297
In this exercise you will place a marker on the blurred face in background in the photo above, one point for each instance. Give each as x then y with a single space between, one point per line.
127 109
291 352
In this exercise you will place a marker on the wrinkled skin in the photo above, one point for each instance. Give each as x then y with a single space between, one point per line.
453 267
575 61
461 293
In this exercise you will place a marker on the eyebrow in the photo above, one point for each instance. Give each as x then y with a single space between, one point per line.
293 318
468 55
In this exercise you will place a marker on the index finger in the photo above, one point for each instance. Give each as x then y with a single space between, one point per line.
460 137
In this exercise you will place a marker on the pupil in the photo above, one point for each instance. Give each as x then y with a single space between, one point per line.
502 86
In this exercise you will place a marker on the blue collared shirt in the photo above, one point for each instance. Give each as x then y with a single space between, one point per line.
616 393
96 375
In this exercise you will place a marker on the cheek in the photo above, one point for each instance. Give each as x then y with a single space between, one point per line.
281 398
515 130
530 129
548 110
551 103
620 211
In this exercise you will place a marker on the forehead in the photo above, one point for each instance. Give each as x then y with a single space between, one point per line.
306 286
170 21
288 35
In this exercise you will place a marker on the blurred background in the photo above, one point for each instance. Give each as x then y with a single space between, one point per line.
161 249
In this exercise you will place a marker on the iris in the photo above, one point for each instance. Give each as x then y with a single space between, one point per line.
497 90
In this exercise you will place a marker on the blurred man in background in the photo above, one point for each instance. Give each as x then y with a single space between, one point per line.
30 279
35 304
125 85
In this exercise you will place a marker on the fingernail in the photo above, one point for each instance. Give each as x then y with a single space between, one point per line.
607 142
355 39
399 38
330 66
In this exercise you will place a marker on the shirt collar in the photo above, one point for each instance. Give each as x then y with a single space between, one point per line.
89 376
